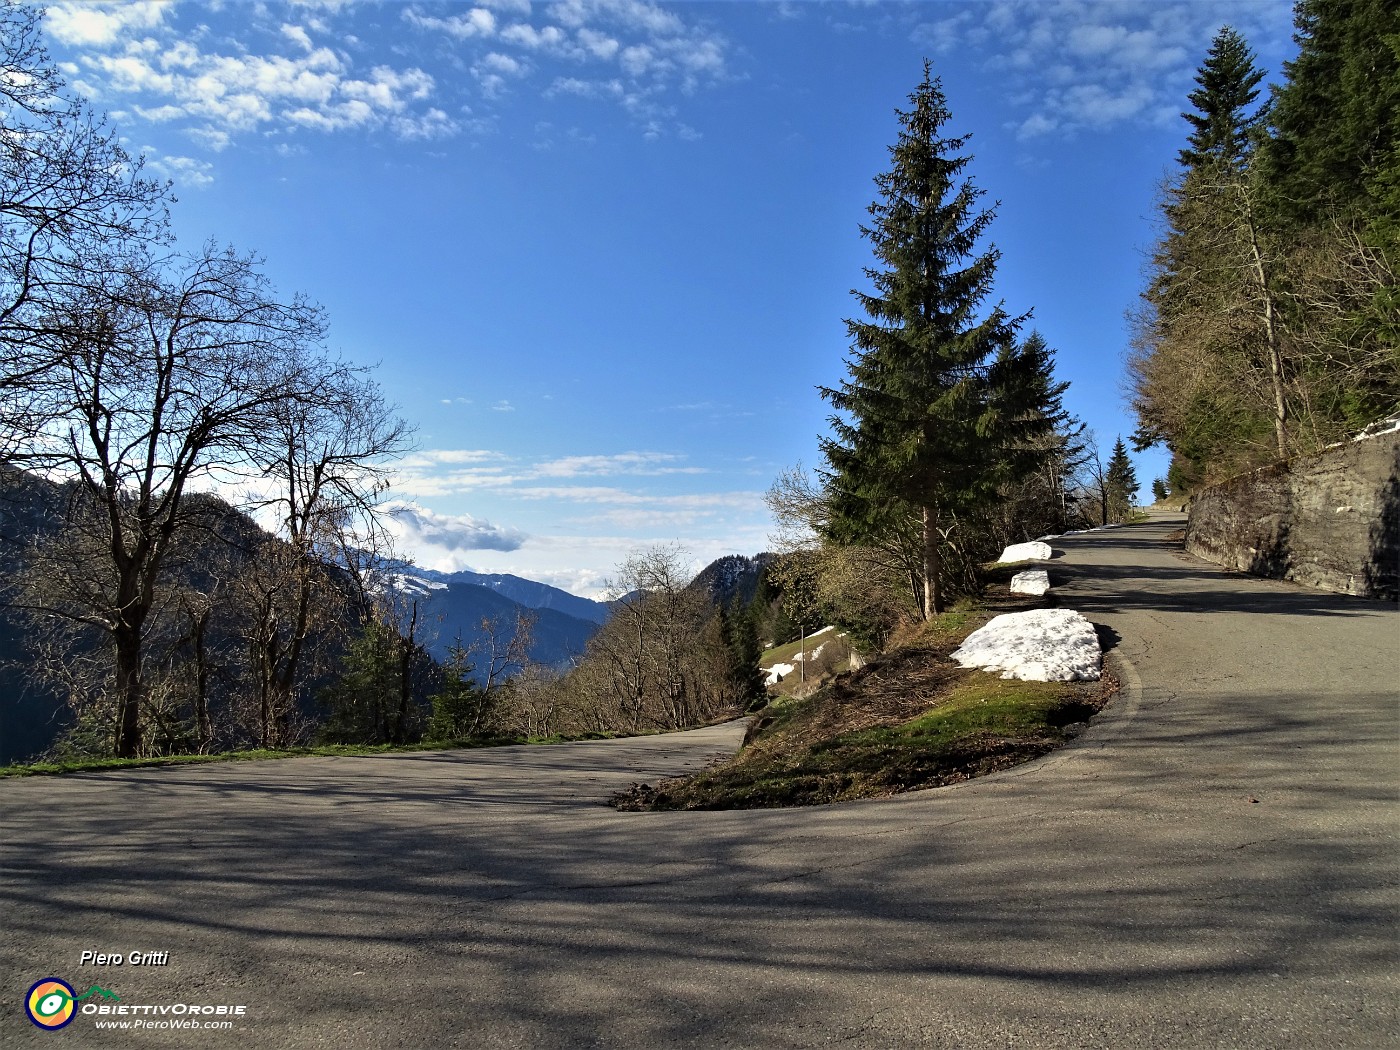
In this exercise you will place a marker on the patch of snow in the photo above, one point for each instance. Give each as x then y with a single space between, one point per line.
779 671
1040 645
810 656
1033 551
1375 430
415 585
1032 581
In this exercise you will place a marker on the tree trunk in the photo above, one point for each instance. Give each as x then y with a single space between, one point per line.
204 729
128 646
1271 334
933 567
406 645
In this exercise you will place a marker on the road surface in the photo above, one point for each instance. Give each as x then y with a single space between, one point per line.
1213 863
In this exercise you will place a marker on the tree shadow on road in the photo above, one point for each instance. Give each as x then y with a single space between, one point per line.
449 878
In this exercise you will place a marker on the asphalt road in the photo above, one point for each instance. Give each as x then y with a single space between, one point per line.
1213 863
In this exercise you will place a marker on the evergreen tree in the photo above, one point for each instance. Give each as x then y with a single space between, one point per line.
934 395
741 641
375 698
1332 179
1120 482
360 701
1227 86
1336 119
461 708
1207 369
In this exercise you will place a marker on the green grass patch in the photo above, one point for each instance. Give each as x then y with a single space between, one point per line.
783 654
910 719
978 726
89 765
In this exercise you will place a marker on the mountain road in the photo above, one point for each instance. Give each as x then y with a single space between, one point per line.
1213 862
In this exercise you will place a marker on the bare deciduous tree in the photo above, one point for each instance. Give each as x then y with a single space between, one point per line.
649 667
502 649
73 205
167 380
323 467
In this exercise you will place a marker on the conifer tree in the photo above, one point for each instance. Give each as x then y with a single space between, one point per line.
461 708
1120 482
1227 85
744 651
934 396
1336 119
1208 371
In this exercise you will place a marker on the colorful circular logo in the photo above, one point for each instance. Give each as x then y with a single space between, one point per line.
49 1003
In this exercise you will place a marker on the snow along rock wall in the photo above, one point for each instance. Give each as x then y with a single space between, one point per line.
1330 520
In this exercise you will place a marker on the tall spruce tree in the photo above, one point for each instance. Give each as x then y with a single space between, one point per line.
1331 170
935 398
1207 372
1120 482
1336 119
1227 85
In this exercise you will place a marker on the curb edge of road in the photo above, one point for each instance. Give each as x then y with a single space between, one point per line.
1125 703
1110 725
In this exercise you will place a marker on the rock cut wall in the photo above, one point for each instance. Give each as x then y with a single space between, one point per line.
1329 520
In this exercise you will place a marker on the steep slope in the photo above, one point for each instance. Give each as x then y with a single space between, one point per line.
734 575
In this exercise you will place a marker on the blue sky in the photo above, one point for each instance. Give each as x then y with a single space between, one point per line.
602 249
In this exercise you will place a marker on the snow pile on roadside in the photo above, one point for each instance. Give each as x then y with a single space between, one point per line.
1032 581
1040 645
1033 551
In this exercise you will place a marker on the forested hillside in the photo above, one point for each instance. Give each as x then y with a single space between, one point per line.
1270 323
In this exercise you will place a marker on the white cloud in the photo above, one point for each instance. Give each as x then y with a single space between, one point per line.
434 124
298 35
461 455
695 501
586 88
499 63
599 45
629 51
417 527
133 50
183 171
636 60
652 463
101 24
1070 65
215 139
159 114
527 36
477 22
443 472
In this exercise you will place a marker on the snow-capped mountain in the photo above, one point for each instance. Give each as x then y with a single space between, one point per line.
529 593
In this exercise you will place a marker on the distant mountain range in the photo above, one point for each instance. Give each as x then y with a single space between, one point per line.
457 602
524 592
453 605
